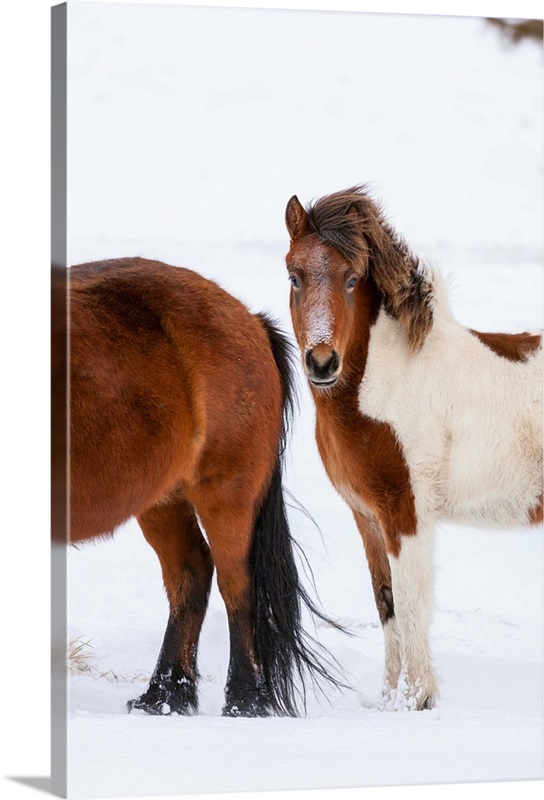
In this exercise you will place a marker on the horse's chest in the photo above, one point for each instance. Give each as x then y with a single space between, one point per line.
334 453
361 457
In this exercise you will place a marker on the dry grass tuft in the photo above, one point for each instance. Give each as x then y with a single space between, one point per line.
79 656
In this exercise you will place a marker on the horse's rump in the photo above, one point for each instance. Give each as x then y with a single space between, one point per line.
167 372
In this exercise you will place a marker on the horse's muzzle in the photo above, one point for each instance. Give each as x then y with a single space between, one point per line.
323 367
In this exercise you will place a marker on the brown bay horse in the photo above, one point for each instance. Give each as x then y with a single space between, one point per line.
418 418
179 405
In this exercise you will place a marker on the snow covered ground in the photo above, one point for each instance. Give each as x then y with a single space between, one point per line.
189 129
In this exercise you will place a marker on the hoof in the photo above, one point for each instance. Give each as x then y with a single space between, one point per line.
407 697
256 706
161 700
247 699
245 710
427 704
156 708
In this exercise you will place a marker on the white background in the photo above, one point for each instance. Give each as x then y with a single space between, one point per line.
25 181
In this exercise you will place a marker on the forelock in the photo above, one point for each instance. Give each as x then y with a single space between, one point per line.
340 220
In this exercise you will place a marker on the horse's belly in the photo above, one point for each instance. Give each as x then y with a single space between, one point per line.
494 485
488 509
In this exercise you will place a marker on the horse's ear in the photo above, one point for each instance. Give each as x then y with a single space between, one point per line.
296 218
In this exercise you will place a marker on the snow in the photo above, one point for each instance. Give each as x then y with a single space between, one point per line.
189 130
320 317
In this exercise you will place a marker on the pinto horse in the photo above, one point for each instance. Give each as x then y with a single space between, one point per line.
418 419
179 404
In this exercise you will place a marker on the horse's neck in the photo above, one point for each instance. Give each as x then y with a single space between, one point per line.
406 284
390 340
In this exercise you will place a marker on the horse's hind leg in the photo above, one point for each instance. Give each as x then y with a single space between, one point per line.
230 531
171 528
380 574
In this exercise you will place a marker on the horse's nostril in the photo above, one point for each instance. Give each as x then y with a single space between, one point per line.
322 365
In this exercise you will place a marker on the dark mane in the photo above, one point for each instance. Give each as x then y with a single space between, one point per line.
339 219
354 224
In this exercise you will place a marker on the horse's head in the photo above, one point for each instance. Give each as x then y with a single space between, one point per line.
323 284
344 257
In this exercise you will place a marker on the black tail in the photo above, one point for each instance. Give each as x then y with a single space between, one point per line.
283 649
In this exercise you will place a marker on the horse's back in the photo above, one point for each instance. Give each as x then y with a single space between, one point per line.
167 376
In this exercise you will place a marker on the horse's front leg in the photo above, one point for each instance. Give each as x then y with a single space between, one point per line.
380 574
411 563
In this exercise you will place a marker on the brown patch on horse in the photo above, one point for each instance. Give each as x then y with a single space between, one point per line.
354 224
365 456
59 410
378 563
535 514
513 346
361 454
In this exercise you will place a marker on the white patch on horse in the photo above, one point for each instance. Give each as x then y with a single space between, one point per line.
412 580
469 421
393 655
320 324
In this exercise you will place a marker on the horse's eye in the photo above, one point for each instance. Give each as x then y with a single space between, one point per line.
351 283
295 283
